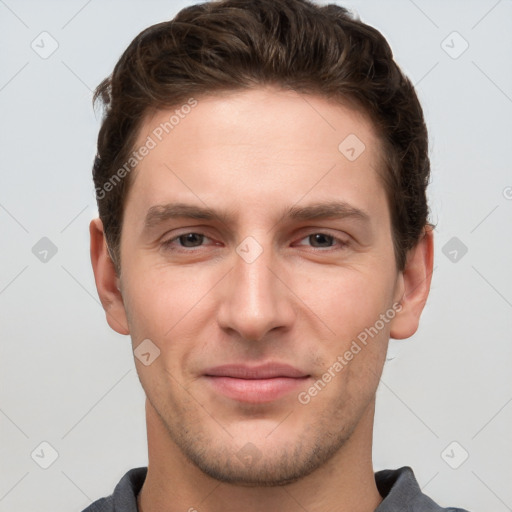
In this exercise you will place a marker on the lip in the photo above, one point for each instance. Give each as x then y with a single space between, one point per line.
255 384
263 371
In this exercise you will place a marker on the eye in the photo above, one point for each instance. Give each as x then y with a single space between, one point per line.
324 241
186 240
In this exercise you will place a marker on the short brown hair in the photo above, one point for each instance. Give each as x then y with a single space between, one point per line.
293 44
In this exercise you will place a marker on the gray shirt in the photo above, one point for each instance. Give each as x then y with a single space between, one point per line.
398 487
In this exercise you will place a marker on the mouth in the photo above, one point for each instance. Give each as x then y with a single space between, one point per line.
256 384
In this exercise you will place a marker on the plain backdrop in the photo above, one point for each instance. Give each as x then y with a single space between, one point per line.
67 381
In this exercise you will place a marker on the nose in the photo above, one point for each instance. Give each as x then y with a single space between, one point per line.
255 298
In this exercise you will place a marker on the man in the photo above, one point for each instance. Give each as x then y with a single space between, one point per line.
261 180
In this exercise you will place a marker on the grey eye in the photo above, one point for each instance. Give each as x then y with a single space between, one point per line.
321 239
191 239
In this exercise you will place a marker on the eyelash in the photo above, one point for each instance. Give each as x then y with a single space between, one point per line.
168 244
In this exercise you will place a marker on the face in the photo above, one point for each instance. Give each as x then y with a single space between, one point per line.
255 251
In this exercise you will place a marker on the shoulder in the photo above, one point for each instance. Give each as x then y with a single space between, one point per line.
125 493
401 491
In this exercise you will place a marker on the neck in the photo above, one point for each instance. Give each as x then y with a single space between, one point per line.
344 483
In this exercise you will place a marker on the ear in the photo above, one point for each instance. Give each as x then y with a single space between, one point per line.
414 283
107 281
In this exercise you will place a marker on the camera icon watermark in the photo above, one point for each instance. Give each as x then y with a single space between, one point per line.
45 45
351 147
454 45
249 250
44 455
146 352
507 193
454 455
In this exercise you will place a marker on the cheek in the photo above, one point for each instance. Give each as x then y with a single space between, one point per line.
162 307
347 300
163 301
352 307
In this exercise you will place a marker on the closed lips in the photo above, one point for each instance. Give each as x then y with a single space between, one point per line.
255 384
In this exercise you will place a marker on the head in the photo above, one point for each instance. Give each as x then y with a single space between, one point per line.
261 182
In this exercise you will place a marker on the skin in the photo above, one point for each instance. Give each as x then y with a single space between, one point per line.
302 301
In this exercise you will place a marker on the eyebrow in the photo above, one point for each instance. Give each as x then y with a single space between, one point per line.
326 210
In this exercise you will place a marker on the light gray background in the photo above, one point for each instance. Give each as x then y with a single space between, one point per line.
69 380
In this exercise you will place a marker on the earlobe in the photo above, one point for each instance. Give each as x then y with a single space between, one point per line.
415 282
107 281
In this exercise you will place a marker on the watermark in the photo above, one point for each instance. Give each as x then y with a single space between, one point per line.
157 135
146 352
249 454
507 193
455 455
454 45
44 455
342 361
44 250
454 249
351 147
249 249
45 45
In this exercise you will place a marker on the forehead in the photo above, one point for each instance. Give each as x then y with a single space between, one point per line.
255 149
